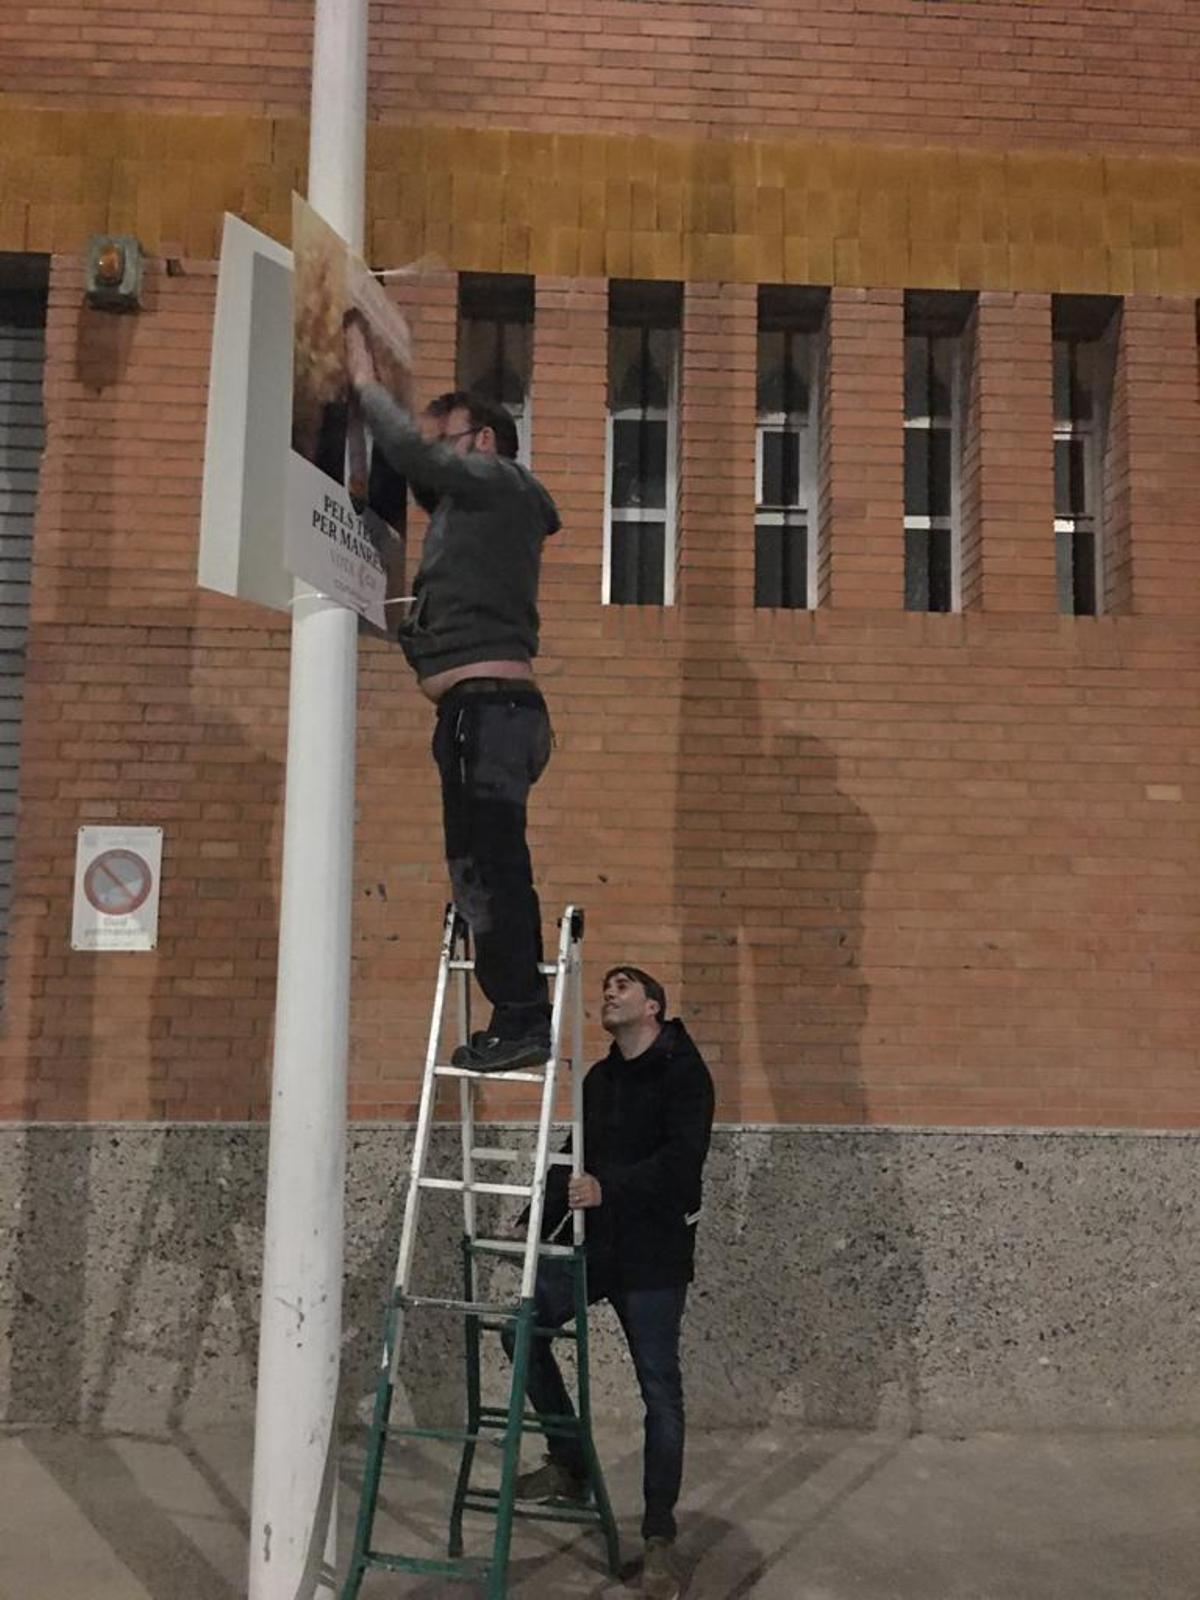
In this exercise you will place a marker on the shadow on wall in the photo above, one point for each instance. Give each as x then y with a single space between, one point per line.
811 1269
123 1298
137 1261
429 1376
810 1284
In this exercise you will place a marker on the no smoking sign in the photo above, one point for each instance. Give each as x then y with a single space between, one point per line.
116 889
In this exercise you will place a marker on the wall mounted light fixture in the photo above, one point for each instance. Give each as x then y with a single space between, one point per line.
113 273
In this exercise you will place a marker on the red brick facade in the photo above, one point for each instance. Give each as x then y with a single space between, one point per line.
1061 74
895 867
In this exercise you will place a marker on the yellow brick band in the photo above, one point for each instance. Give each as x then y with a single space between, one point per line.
598 205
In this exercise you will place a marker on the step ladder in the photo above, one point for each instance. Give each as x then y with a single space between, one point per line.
490 1427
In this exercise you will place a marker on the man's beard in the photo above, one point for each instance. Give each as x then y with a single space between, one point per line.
425 498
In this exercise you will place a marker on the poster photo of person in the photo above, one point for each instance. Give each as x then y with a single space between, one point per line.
346 504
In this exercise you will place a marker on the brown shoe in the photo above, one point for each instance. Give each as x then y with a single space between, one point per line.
551 1482
660 1575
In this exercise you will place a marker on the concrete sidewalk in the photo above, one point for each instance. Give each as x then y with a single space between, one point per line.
779 1515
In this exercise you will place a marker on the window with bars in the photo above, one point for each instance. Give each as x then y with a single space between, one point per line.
495 345
787 446
641 495
935 361
1084 357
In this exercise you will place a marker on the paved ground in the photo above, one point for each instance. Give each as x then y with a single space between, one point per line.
784 1516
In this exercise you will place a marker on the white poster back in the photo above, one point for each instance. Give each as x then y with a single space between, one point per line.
246 446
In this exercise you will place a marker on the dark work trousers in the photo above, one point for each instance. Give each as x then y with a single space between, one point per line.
491 744
651 1319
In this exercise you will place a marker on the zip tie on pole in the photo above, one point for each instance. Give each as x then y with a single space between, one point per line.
411 270
396 600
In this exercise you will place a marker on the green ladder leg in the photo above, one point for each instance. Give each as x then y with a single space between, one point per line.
474 1403
373 1466
497 1587
515 1422
608 1523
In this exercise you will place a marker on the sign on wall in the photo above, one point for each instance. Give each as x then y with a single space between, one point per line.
117 873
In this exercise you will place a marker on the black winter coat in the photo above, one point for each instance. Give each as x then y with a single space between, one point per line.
646 1129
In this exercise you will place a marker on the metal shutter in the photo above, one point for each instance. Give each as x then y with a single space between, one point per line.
22 436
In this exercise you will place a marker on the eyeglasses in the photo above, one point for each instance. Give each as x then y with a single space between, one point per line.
449 438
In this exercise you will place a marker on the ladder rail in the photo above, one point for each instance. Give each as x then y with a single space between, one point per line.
578 1219
568 961
466 1102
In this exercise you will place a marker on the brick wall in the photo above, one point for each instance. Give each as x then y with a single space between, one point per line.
865 497
890 866
971 467
1053 74
1162 416
752 209
1016 474
143 702
1117 571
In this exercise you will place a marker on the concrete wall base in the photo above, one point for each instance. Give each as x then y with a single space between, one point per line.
938 1281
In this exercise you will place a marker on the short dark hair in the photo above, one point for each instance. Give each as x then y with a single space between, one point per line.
483 414
654 989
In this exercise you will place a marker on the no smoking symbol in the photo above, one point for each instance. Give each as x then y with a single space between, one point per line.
117 882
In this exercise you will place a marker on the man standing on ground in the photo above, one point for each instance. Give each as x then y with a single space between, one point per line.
647 1120
471 638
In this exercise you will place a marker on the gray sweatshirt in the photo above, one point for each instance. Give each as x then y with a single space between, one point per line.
476 588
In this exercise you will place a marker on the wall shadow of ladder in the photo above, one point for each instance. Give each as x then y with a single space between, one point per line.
498 1428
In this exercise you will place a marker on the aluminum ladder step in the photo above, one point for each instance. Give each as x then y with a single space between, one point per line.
522 1075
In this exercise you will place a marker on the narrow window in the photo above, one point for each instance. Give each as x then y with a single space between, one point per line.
787 446
642 444
23 284
1084 329
935 364
495 344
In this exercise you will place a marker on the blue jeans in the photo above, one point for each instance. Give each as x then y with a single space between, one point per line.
491 743
651 1320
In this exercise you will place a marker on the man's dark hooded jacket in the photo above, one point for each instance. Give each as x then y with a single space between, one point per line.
646 1128
475 591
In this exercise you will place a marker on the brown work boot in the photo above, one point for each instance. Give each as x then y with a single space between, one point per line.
660 1575
551 1481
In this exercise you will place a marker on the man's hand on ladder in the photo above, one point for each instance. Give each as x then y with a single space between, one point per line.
584 1192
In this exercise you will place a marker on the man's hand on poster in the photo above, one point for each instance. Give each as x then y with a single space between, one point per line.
584 1192
371 358
360 363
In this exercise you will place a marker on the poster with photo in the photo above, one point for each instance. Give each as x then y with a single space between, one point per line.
345 502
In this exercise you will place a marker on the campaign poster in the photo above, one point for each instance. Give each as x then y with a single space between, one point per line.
345 532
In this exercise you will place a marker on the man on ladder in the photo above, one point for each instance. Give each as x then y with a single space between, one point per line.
647 1120
471 638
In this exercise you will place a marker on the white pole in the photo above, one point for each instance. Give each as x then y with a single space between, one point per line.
295 1448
